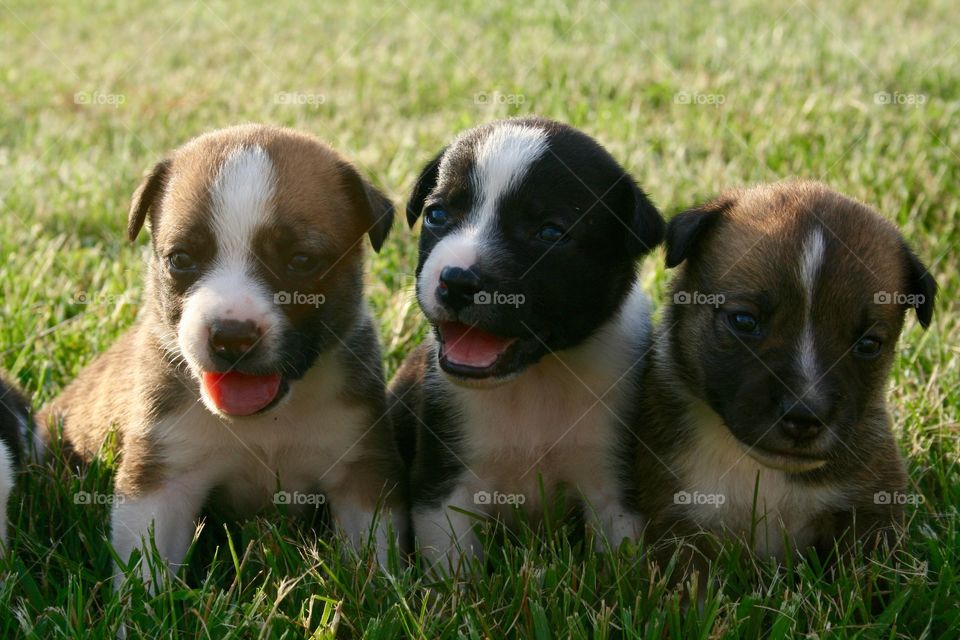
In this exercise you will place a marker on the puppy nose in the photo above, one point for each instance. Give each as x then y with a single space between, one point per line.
232 339
801 421
458 287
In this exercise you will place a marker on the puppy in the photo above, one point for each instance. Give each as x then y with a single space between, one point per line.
526 274
763 416
253 371
14 418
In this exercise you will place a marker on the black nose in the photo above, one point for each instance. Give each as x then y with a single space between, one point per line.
233 339
458 287
802 420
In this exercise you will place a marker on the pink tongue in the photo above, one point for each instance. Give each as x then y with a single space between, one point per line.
471 347
239 394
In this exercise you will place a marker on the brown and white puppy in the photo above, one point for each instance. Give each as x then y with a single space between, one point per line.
527 274
254 368
764 415
14 421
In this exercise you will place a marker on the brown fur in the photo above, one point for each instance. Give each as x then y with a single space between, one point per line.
751 241
138 381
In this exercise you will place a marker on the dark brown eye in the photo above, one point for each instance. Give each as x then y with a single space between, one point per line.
743 322
181 262
868 347
302 263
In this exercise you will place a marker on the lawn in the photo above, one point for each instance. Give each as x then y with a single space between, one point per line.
692 98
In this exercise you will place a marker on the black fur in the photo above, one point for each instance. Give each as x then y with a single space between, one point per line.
570 288
14 414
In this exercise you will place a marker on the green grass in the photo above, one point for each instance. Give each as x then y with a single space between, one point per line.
388 84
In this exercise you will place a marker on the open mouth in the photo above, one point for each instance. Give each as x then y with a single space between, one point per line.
242 394
786 461
470 352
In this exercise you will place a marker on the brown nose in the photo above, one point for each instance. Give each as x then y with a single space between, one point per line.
233 339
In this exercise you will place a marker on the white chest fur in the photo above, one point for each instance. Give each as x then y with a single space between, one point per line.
727 490
558 419
300 446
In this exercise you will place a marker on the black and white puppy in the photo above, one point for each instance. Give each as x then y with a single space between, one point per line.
253 375
764 414
14 418
527 274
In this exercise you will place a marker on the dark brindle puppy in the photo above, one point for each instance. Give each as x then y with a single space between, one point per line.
764 410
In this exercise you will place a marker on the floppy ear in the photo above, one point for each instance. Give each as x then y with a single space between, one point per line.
922 286
685 230
645 224
146 197
373 203
425 184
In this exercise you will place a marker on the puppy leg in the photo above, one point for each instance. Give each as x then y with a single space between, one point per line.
169 512
355 521
445 534
610 520
366 503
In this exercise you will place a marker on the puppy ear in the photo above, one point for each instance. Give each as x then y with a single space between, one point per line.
146 197
922 286
646 225
685 230
424 185
373 203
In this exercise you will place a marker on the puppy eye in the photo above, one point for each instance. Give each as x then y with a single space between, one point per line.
181 262
436 217
302 263
743 322
551 233
867 347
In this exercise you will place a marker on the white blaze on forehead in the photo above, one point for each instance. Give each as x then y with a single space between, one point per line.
502 159
241 199
810 267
